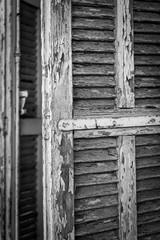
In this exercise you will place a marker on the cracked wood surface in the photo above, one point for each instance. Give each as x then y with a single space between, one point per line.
109 122
56 104
126 99
2 109
125 55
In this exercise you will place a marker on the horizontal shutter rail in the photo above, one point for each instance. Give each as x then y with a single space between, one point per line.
109 122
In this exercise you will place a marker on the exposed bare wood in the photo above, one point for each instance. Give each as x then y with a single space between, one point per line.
148 7
85 11
94 2
94 93
105 235
87 168
127 187
96 179
92 46
108 122
148 184
96 214
129 131
94 81
99 58
83 144
93 35
98 226
57 146
125 55
8 119
146 16
2 116
96 190
96 202
146 27
149 38
97 155
146 49
89 23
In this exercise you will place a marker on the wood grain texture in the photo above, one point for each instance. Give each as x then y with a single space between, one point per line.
108 122
125 55
2 109
93 46
127 188
85 11
57 146
108 3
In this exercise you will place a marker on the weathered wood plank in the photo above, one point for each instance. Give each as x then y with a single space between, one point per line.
147 71
125 55
149 218
85 11
148 7
83 144
93 46
127 188
147 93
93 69
146 27
148 206
148 103
96 24
148 184
144 196
94 81
96 179
94 93
108 122
147 60
116 132
97 155
99 58
147 151
146 16
148 140
92 35
94 2
93 107
147 162
95 190
96 227
2 112
96 202
147 82
96 214
146 38
87 168
146 173
58 203
146 49
109 235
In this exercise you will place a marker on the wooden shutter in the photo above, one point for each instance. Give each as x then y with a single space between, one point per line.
147 94
30 196
114 120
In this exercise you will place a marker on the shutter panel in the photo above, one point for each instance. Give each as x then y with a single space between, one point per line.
114 119
93 48
95 161
147 94
29 163
147 53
